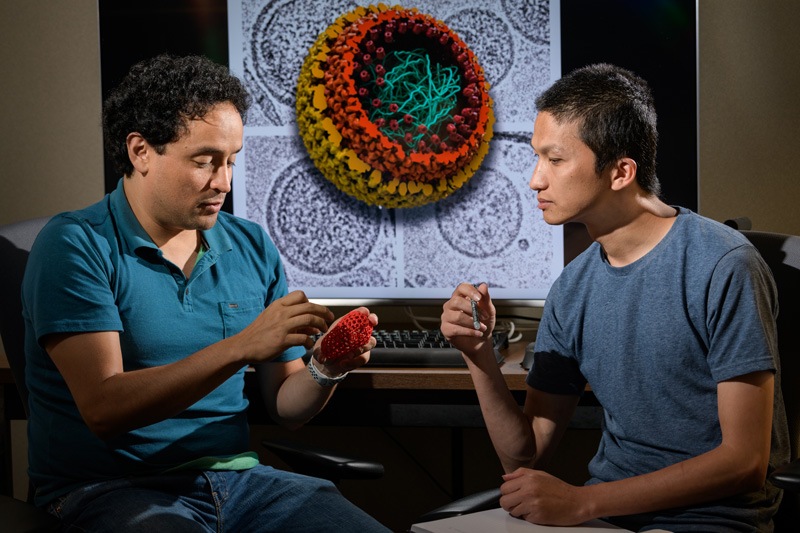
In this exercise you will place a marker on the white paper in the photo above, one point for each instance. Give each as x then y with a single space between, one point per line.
499 521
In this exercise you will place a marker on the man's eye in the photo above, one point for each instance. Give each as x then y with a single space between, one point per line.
203 163
554 161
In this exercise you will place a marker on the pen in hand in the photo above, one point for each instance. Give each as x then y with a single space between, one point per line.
475 322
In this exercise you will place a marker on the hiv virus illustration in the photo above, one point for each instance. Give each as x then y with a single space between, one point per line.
393 107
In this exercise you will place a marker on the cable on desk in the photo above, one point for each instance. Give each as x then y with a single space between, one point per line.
417 319
510 328
504 324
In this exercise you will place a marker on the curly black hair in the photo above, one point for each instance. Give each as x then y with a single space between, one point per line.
159 96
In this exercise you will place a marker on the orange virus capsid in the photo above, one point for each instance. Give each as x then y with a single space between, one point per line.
393 107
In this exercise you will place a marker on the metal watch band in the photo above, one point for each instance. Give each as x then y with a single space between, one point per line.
321 378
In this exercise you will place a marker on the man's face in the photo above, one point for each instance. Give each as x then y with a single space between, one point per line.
568 187
188 183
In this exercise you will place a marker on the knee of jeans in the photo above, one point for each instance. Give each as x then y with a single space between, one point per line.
316 488
317 483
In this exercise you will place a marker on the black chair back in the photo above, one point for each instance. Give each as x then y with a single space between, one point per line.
782 253
16 240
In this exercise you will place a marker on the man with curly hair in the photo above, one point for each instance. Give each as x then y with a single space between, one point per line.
143 312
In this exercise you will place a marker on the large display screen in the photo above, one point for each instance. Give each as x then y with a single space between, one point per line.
335 245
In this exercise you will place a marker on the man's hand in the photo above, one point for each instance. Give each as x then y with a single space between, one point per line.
286 322
457 321
352 360
540 498
292 396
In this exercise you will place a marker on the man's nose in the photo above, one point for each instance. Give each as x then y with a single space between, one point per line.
537 180
222 178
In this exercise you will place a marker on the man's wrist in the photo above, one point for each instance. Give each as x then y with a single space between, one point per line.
319 374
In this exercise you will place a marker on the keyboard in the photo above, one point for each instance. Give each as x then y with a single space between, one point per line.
421 349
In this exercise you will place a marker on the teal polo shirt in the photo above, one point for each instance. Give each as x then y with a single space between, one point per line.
97 270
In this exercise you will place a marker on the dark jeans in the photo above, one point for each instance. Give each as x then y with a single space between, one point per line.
259 500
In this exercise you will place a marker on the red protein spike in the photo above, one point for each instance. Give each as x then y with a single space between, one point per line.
352 331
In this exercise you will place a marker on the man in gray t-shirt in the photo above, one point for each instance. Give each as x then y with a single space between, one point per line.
669 317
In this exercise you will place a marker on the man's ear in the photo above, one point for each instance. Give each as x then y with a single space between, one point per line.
139 152
623 173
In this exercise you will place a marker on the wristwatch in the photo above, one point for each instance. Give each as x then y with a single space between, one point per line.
321 378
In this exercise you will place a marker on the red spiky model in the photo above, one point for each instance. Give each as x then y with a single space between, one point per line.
352 331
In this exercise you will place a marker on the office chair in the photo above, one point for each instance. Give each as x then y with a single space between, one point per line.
782 253
16 240
15 243
311 460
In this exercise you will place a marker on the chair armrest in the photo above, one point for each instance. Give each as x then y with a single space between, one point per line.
316 461
480 501
787 477
25 517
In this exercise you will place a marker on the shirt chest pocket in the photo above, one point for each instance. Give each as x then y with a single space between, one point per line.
238 314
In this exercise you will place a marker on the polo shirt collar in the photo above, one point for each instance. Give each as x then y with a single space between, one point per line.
217 237
129 229
136 238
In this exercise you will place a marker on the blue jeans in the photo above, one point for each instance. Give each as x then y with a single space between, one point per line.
261 499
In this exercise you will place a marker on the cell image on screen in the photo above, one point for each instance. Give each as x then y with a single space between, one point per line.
335 245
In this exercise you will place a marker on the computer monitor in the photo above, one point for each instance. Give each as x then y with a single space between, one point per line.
342 251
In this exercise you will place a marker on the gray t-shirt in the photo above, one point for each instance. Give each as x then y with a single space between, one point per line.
653 339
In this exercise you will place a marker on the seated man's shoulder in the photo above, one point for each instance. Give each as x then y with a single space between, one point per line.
712 236
70 224
712 248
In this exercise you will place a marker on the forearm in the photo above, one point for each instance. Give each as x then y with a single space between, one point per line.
128 400
299 398
717 474
113 400
509 428
739 464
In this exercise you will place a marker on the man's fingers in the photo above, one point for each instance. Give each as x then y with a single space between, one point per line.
459 323
305 324
514 475
295 303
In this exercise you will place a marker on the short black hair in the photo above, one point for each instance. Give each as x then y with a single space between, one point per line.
615 114
159 96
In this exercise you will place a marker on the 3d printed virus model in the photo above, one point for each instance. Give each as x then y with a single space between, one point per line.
393 107
351 332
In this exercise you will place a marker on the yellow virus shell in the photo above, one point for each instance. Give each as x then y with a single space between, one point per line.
393 107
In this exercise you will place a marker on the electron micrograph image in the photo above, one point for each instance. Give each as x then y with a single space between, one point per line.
277 36
325 238
489 230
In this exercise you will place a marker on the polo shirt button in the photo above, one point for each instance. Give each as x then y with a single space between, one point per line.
187 292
